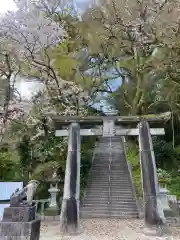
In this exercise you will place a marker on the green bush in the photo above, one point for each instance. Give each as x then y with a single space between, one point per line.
9 167
166 157
174 184
132 153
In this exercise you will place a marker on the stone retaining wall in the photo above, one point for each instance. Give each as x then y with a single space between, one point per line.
173 221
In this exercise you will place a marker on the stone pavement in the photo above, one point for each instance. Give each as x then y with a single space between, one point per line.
103 229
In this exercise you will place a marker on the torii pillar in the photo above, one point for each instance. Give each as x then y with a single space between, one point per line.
153 211
69 217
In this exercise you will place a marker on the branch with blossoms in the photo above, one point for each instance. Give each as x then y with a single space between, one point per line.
9 70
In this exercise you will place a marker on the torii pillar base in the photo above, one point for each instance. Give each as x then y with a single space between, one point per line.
68 229
157 231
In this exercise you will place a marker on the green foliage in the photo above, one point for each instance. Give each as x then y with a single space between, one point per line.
26 161
9 166
44 171
147 87
174 184
166 157
132 154
163 174
86 161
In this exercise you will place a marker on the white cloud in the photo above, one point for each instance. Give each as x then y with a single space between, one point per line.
7 5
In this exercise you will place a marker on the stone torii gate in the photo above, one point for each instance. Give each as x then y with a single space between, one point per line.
109 126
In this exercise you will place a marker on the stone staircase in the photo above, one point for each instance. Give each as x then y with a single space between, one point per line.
109 192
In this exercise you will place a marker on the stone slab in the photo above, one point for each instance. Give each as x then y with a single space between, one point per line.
19 214
157 231
20 230
117 132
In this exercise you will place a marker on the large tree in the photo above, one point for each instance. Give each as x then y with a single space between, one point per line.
131 37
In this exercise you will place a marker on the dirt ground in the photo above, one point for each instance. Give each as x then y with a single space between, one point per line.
98 229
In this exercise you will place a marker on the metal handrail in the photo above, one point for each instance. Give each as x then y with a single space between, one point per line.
109 177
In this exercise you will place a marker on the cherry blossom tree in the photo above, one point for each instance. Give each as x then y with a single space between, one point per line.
9 69
28 39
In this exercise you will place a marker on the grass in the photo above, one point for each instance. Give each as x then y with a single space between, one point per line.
132 153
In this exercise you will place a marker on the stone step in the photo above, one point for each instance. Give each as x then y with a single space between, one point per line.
114 204
101 167
105 176
109 216
117 180
124 196
117 163
94 194
112 194
112 168
118 159
114 155
105 198
118 177
114 210
107 187
114 187
109 171
112 179
113 198
100 214
110 209
107 180
121 175
103 191
110 185
106 204
118 168
110 204
109 161
102 183
110 142
114 163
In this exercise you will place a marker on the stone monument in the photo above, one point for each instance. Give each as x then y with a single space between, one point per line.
53 190
53 208
19 219
163 195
